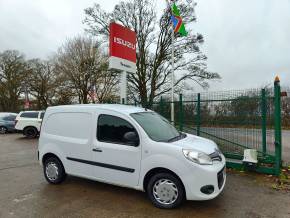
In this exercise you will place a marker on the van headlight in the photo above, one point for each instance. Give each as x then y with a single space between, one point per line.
197 157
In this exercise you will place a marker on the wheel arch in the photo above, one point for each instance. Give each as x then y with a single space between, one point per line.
49 155
157 170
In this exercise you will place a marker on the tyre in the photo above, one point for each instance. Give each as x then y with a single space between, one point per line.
3 130
165 191
53 170
30 132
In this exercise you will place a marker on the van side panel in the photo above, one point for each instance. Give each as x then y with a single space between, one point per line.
69 135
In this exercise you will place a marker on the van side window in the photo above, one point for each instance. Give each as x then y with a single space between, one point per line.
112 129
29 115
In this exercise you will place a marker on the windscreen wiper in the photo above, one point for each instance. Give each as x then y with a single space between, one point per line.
176 138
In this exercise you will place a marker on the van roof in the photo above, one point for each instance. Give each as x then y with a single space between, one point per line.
124 109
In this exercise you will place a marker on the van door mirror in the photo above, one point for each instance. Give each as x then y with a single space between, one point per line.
131 138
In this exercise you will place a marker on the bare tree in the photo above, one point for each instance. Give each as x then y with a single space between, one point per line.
42 82
83 65
154 46
12 74
106 84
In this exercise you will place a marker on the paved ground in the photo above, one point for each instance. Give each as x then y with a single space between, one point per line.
25 193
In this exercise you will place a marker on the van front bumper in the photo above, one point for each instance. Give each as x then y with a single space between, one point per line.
205 182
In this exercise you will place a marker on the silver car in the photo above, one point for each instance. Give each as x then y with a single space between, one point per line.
7 122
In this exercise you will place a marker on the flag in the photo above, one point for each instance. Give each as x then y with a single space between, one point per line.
177 21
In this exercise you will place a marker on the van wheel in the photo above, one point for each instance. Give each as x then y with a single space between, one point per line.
3 130
30 132
53 170
165 191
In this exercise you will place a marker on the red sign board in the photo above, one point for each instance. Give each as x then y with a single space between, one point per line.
122 47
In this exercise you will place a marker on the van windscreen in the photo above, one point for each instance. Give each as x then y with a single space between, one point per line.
156 126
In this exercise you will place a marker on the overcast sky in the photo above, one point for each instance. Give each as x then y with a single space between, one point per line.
246 41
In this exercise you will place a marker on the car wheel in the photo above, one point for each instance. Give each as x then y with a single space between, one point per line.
30 132
165 191
53 170
3 130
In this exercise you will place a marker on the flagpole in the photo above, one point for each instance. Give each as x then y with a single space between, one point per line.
172 65
172 74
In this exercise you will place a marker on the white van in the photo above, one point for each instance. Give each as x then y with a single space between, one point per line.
132 147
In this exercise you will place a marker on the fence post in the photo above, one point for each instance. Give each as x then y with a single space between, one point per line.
135 103
264 119
278 137
161 105
123 100
180 113
198 118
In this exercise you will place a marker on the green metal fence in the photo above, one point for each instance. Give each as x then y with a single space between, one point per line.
235 120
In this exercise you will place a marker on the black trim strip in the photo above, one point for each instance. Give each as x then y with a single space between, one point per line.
114 167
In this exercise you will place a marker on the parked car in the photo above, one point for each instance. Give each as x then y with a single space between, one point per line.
29 122
132 147
7 121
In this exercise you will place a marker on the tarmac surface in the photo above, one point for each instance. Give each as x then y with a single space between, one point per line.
25 193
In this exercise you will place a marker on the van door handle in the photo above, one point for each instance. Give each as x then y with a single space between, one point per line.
97 150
